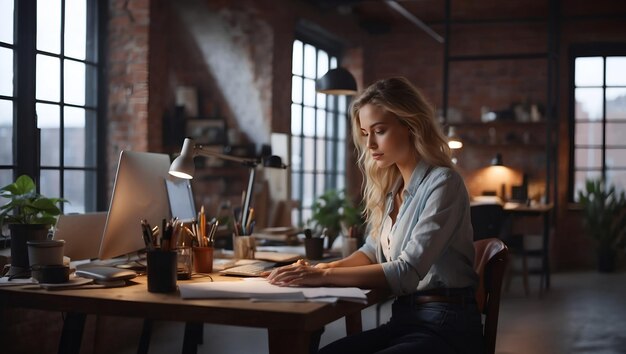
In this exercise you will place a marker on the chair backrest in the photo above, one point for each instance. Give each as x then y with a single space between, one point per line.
487 220
490 263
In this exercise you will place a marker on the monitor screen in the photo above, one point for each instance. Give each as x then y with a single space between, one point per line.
182 204
139 193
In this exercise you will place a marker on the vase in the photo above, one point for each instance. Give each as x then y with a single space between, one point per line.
606 259
20 235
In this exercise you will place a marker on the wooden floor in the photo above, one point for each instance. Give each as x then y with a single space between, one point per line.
584 312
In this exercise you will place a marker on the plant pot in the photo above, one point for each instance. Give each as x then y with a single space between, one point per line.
20 235
606 259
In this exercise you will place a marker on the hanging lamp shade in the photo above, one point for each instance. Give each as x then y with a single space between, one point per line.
454 141
497 160
337 81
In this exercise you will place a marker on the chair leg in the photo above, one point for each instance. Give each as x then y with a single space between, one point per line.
525 273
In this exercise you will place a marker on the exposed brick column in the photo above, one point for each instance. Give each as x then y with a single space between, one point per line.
127 74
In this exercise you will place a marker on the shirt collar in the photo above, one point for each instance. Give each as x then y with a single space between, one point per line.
417 177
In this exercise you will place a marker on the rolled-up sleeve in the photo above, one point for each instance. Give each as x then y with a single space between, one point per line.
426 229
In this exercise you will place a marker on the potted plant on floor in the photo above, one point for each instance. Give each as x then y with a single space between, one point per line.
604 219
29 215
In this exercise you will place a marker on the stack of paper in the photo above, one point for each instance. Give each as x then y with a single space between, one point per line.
259 289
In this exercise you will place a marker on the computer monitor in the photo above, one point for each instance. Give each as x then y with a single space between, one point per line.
180 195
139 193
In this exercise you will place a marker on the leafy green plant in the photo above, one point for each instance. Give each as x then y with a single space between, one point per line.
604 213
26 206
334 212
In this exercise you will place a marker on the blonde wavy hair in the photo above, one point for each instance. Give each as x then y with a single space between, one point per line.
398 96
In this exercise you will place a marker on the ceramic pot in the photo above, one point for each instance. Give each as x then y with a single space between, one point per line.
20 235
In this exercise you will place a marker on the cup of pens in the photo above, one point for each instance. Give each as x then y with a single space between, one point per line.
204 237
203 259
161 255
244 246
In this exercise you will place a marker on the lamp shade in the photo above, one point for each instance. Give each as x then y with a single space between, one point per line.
497 160
454 142
337 81
183 166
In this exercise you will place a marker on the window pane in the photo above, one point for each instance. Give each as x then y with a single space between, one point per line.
296 89
589 71
616 178
321 152
616 71
295 186
589 103
6 22
309 92
6 72
580 177
308 155
75 28
49 121
320 186
588 134
74 137
50 183
309 121
585 158
321 123
296 154
6 133
616 104
615 134
309 61
341 125
6 177
341 158
322 63
74 82
616 158
341 104
307 188
49 26
74 185
48 78
296 119
296 66
321 100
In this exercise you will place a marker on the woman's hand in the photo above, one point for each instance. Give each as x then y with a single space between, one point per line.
298 273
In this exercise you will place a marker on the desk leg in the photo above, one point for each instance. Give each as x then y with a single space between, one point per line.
353 323
72 334
289 342
193 337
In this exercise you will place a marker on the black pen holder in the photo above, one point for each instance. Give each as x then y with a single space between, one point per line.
161 271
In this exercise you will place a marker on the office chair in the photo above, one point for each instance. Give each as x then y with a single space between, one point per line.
490 220
490 263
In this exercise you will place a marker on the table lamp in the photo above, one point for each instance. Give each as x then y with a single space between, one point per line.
183 167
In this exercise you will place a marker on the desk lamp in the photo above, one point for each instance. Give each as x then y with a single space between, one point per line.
183 167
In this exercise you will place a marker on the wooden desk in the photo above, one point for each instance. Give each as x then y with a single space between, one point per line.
541 210
289 324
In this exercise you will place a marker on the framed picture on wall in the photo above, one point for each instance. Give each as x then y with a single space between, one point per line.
207 131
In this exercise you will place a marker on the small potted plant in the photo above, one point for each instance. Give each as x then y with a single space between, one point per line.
604 218
29 215
333 213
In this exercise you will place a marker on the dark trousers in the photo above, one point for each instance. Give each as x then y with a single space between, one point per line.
431 328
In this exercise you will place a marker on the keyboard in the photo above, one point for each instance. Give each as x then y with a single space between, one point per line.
252 269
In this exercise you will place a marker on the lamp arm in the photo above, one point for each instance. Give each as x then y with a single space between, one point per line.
202 151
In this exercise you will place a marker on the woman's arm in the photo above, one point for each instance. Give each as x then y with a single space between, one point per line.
355 259
301 273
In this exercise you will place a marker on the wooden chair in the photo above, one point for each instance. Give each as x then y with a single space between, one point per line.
490 263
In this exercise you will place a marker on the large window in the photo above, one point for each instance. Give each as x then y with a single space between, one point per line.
58 113
599 120
318 130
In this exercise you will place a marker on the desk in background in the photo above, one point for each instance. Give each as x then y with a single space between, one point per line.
290 325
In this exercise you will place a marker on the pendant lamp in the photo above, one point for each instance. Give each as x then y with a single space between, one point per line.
336 81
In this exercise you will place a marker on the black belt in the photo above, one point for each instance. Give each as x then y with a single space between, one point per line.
446 295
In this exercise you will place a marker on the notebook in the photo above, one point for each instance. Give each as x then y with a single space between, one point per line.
82 234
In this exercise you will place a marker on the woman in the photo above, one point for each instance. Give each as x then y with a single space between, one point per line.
420 246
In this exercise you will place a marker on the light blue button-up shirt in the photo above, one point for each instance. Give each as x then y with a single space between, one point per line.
432 239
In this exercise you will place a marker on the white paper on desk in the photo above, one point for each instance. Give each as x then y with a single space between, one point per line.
348 294
240 290
259 289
